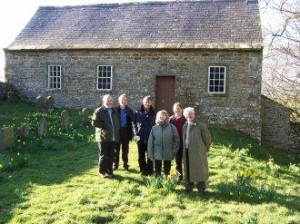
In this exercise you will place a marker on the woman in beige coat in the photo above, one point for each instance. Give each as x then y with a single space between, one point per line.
196 143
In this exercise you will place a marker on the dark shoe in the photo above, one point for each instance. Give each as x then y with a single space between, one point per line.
188 187
201 187
144 173
201 190
116 167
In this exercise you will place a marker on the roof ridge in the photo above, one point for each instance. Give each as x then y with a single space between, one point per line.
135 4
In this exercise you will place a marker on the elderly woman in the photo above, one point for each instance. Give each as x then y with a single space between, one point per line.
196 143
163 143
178 120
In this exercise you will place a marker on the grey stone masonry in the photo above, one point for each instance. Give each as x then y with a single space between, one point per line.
49 103
41 103
134 73
43 127
65 118
294 138
6 137
23 131
275 124
84 116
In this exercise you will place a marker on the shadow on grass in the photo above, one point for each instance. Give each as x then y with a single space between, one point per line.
217 193
235 140
44 168
120 178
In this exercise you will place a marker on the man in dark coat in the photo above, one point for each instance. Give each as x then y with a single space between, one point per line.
126 133
106 121
144 120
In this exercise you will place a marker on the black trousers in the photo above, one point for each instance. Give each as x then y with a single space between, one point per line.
158 165
124 145
179 163
106 157
187 175
145 163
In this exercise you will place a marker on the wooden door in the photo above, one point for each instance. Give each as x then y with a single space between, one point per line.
165 93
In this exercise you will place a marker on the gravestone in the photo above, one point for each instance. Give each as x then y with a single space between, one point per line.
6 137
23 131
84 116
43 127
11 96
49 103
65 118
41 103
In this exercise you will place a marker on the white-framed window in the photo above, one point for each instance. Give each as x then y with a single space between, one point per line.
217 79
104 77
54 76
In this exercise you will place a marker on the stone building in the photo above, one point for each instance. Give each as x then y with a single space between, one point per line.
277 129
205 54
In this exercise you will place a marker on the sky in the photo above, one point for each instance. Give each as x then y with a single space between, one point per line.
15 14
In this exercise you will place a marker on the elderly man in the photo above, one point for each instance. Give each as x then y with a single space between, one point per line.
107 123
196 144
126 121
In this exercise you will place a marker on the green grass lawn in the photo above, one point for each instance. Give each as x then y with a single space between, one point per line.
53 179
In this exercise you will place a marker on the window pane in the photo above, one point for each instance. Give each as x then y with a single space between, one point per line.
104 74
217 79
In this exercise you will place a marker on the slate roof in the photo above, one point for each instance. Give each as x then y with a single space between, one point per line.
222 24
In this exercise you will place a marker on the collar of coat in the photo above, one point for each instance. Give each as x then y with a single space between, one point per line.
192 123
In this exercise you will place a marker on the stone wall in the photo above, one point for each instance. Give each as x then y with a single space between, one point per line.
275 124
134 73
294 138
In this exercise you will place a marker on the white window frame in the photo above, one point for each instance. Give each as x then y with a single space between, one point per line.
104 77
217 80
54 76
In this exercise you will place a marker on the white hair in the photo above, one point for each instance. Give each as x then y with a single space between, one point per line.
188 110
122 96
105 97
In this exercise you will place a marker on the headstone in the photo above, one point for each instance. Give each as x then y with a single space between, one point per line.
49 103
84 116
23 132
65 118
43 127
40 103
6 137
11 96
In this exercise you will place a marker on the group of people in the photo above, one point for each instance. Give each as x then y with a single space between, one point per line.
160 139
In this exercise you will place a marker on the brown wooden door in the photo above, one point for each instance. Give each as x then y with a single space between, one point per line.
165 93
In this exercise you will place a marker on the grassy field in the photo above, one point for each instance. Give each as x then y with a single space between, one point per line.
53 179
